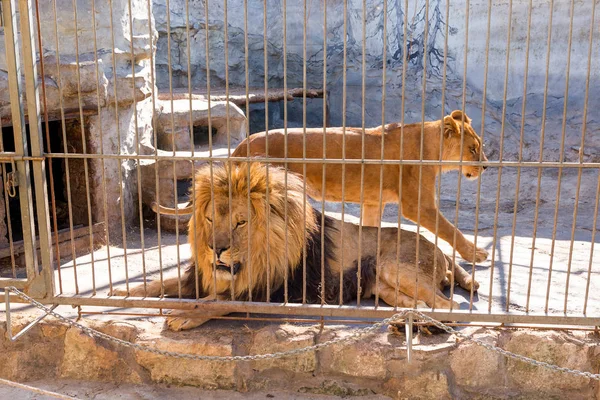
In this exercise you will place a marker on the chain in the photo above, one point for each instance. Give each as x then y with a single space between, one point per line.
354 337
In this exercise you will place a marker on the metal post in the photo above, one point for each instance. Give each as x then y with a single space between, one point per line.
37 145
408 326
20 135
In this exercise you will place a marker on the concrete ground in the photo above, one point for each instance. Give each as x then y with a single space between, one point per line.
515 269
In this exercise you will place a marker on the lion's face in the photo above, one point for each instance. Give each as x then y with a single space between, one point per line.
227 236
472 146
254 244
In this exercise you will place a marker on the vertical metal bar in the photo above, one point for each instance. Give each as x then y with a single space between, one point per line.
156 157
344 104
323 188
246 72
192 143
137 149
581 150
210 145
84 149
408 329
174 164
541 150
266 87
47 136
381 205
400 168
285 146
227 125
561 152
362 153
521 138
441 149
120 163
7 208
101 145
37 148
13 64
65 148
303 154
461 148
421 145
501 151
482 134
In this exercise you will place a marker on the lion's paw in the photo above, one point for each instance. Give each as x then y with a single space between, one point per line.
177 322
480 255
421 305
470 284
118 292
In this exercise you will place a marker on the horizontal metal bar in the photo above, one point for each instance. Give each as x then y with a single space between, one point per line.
308 319
7 157
18 283
347 311
530 164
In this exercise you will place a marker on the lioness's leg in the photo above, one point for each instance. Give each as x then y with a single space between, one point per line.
153 289
427 219
371 215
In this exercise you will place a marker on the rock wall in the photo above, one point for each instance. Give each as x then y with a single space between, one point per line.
442 366
425 37
113 42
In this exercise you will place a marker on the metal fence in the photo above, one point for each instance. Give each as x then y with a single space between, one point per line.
111 107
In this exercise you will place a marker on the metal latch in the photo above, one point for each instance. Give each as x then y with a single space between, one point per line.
11 182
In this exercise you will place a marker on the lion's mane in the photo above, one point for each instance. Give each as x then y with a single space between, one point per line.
270 199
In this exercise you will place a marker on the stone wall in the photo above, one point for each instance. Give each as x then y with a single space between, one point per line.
106 83
425 35
442 367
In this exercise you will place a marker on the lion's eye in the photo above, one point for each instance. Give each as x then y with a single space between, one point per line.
241 223
209 220
473 151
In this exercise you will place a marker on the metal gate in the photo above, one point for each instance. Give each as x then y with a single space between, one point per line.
28 156
29 160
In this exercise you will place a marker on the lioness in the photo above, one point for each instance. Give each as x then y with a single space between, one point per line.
472 150
258 250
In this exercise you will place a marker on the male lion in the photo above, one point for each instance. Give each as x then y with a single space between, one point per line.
257 249
426 210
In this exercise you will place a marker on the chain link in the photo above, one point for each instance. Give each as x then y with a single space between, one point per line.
354 337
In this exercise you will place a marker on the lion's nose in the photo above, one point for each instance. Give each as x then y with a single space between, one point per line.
220 250
485 167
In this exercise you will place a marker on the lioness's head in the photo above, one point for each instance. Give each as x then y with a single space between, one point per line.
230 225
472 146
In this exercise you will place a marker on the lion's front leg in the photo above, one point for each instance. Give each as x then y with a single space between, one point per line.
180 320
153 289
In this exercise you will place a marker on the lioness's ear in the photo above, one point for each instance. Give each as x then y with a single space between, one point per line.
450 126
458 115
